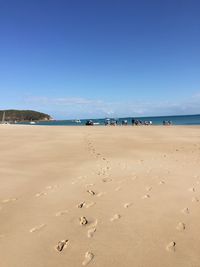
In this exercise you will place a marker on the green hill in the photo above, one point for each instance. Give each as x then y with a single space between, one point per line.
12 115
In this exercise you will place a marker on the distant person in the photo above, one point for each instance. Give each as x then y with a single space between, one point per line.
113 122
167 123
106 122
133 121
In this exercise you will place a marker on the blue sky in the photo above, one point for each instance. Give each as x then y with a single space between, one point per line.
99 58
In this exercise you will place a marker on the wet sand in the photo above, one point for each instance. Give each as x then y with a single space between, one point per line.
99 196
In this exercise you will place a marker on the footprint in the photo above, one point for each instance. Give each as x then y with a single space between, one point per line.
91 232
91 192
7 200
101 194
185 211
94 224
61 245
62 212
81 205
106 180
127 205
115 217
148 188
162 182
118 188
192 189
90 205
41 194
171 246
37 228
51 187
195 199
74 182
88 258
146 196
83 220
180 226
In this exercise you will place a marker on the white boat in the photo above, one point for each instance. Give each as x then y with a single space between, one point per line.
32 122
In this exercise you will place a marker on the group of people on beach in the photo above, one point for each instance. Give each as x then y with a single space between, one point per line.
134 122
139 122
125 122
167 123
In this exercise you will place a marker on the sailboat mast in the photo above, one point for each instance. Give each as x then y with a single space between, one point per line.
3 118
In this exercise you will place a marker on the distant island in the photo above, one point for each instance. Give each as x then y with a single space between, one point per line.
12 115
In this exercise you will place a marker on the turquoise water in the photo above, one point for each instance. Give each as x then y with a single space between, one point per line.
176 120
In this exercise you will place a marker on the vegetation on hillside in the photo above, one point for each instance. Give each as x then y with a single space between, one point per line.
12 115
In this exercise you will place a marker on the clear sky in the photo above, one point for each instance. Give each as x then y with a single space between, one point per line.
99 58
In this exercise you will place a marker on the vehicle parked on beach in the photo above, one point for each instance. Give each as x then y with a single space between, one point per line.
89 123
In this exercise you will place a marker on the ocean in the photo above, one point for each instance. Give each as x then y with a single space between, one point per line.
176 120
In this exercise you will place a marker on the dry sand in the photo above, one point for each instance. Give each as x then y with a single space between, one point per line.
99 196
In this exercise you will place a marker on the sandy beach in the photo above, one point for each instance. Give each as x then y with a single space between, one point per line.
99 196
